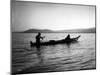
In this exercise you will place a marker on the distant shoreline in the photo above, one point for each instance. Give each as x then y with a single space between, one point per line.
54 32
89 30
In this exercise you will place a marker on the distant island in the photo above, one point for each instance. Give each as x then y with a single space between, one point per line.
88 30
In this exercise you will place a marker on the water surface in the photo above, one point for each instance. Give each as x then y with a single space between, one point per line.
61 57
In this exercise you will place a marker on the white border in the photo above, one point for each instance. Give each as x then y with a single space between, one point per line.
5 37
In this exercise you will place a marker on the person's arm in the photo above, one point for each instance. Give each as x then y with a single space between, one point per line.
42 37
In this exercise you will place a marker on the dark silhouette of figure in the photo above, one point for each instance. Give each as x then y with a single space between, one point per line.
38 38
38 41
68 37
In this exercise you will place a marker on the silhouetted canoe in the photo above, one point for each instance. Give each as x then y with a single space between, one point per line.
54 42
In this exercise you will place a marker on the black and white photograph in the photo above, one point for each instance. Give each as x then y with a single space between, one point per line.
52 37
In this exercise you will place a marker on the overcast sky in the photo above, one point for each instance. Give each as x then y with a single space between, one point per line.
28 15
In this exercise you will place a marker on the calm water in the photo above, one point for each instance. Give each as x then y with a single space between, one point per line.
59 57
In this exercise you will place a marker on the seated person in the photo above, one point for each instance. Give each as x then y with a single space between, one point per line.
68 37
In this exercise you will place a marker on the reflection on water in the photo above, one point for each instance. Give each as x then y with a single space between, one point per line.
39 54
61 57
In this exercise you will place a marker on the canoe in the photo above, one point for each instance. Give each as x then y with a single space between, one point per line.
54 42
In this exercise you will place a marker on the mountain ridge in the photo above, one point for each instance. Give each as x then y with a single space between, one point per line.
87 30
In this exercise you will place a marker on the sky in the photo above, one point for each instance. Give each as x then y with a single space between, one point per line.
37 15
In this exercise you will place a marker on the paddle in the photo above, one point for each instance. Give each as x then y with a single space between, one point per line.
42 37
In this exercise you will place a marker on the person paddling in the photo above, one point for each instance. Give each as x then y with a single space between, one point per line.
68 37
38 38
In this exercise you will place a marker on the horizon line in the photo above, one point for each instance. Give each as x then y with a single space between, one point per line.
52 29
